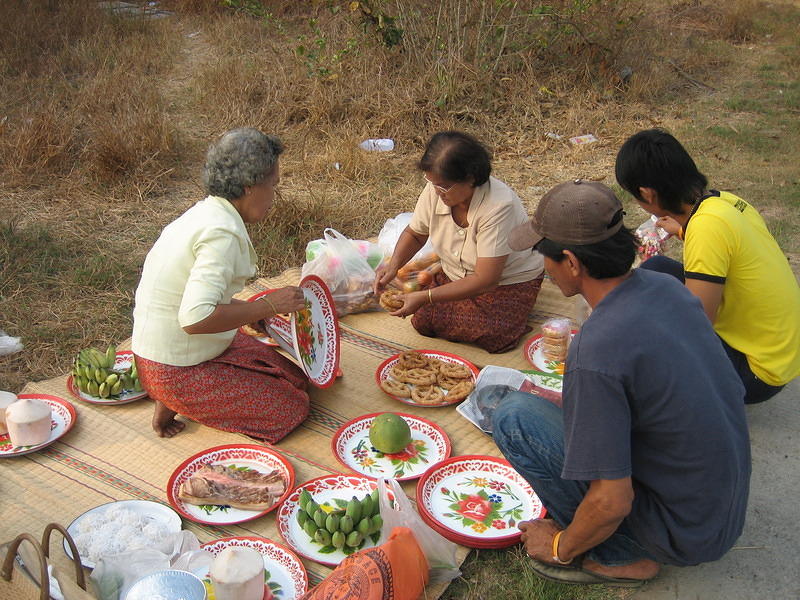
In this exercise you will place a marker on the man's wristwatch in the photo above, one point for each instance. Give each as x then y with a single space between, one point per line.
556 559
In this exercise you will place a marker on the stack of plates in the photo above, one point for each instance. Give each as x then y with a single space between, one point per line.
477 501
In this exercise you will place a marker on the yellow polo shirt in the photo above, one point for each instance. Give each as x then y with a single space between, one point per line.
727 242
495 209
200 260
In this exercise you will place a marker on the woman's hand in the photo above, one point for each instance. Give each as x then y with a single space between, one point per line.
384 274
411 304
283 300
669 225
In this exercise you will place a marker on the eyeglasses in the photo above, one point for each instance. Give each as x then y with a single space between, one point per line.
438 188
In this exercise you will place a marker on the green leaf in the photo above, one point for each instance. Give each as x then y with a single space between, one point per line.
327 549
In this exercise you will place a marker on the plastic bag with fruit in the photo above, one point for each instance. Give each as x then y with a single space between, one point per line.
346 267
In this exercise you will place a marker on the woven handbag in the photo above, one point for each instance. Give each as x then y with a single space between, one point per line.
31 581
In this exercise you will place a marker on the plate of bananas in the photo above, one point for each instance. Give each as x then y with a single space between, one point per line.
108 377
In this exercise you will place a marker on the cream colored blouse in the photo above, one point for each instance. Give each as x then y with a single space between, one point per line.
495 209
200 260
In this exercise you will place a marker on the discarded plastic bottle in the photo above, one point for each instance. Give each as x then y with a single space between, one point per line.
377 145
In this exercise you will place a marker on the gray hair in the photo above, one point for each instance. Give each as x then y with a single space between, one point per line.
241 157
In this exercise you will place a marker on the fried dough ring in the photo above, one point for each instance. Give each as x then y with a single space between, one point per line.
396 388
434 363
391 300
455 371
447 383
460 390
398 373
412 360
420 377
427 394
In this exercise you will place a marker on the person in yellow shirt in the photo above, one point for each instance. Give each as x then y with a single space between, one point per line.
191 358
731 262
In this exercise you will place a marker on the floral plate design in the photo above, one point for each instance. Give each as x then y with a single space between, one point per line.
279 323
382 374
284 574
152 511
429 445
62 418
477 501
330 492
241 456
534 355
123 362
315 333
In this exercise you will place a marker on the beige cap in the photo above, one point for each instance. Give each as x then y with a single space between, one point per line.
573 213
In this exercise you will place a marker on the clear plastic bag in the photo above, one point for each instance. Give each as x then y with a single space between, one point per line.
651 238
341 265
390 233
113 575
439 551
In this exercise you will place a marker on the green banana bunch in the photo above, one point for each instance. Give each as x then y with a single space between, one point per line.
343 528
94 374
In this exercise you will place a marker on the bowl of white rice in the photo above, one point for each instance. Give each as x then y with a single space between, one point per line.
119 527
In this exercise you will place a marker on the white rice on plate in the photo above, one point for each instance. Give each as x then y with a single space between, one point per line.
117 530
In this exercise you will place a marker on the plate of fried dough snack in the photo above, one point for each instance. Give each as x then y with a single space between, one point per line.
427 377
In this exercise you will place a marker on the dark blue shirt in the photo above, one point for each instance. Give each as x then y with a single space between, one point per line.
649 393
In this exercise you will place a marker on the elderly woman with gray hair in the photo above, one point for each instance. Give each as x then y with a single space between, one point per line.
191 358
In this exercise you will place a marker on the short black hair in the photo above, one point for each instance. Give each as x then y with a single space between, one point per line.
655 159
458 157
610 258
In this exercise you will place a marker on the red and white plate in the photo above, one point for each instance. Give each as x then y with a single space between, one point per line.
329 491
534 355
429 445
477 501
62 418
284 574
242 456
279 323
385 367
315 333
123 362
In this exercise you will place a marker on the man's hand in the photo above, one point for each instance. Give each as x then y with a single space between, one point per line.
669 225
537 536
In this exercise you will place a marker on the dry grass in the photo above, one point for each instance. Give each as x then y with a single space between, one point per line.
104 122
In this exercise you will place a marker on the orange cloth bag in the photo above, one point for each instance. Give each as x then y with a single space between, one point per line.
395 570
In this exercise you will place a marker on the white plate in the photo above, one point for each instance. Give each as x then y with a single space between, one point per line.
284 574
477 501
429 445
123 362
315 333
383 372
62 418
325 490
153 511
249 456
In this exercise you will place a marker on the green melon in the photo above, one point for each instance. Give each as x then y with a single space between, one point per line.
389 433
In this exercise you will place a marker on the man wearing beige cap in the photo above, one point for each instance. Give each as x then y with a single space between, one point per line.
648 463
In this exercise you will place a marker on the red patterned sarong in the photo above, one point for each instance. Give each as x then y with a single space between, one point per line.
250 388
494 321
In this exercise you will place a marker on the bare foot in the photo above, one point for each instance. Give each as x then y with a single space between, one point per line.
164 422
641 569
